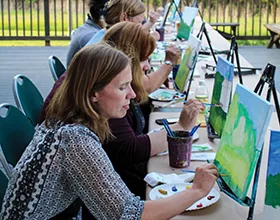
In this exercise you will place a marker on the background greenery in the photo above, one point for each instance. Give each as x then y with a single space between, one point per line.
25 22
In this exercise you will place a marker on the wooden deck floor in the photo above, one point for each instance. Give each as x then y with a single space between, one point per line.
33 62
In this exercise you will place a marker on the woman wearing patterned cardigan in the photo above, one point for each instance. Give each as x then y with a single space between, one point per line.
65 160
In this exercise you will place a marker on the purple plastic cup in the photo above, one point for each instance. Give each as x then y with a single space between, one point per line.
161 33
179 148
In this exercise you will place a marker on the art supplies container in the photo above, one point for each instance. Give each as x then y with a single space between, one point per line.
179 148
160 30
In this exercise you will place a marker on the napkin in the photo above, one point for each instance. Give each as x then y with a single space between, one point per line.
154 178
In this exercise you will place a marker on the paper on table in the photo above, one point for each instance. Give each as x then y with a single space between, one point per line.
203 156
154 178
201 147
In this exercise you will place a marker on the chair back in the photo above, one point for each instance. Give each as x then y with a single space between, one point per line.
56 67
5 165
3 186
28 98
16 132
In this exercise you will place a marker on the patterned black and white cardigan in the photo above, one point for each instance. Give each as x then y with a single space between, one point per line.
61 164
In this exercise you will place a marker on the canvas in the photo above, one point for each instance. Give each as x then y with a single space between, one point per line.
221 94
242 139
272 197
165 14
187 63
169 13
172 13
187 22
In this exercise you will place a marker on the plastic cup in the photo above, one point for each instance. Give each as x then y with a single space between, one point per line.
161 33
179 148
178 25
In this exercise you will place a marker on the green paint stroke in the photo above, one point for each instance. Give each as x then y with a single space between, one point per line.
217 117
237 154
272 197
185 30
184 70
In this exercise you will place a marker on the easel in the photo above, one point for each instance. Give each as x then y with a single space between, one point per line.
267 77
168 10
230 57
199 36
191 79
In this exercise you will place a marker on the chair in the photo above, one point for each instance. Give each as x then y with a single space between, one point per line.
28 98
3 186
56 67
16 132
6 166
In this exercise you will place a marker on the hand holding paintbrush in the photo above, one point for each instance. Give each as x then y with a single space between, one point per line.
189 114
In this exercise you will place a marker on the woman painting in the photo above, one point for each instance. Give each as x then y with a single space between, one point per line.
65 160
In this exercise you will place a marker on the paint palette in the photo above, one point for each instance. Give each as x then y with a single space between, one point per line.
165 95
166 190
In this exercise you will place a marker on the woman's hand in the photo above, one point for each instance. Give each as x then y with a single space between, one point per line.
189 113
204 180
173 54
153 16
156 35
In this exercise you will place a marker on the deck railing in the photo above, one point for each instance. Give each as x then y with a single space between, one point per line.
55 19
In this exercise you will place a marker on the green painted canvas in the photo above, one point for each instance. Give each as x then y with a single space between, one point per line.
172 13
242 139
221 94
272 197
187 63
187 22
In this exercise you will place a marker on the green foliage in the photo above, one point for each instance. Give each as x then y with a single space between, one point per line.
272 197
33 1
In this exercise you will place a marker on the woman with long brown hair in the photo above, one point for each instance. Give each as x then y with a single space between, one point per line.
131 148
65 161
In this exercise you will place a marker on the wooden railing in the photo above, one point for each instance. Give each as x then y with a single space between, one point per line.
54 19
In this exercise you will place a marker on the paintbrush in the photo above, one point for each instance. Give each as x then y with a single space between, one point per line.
172 102
212 105
194 129
167 128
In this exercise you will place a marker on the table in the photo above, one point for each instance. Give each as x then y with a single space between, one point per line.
226 24
274 30
225 208
219 43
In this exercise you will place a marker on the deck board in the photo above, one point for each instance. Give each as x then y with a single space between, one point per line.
33 62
